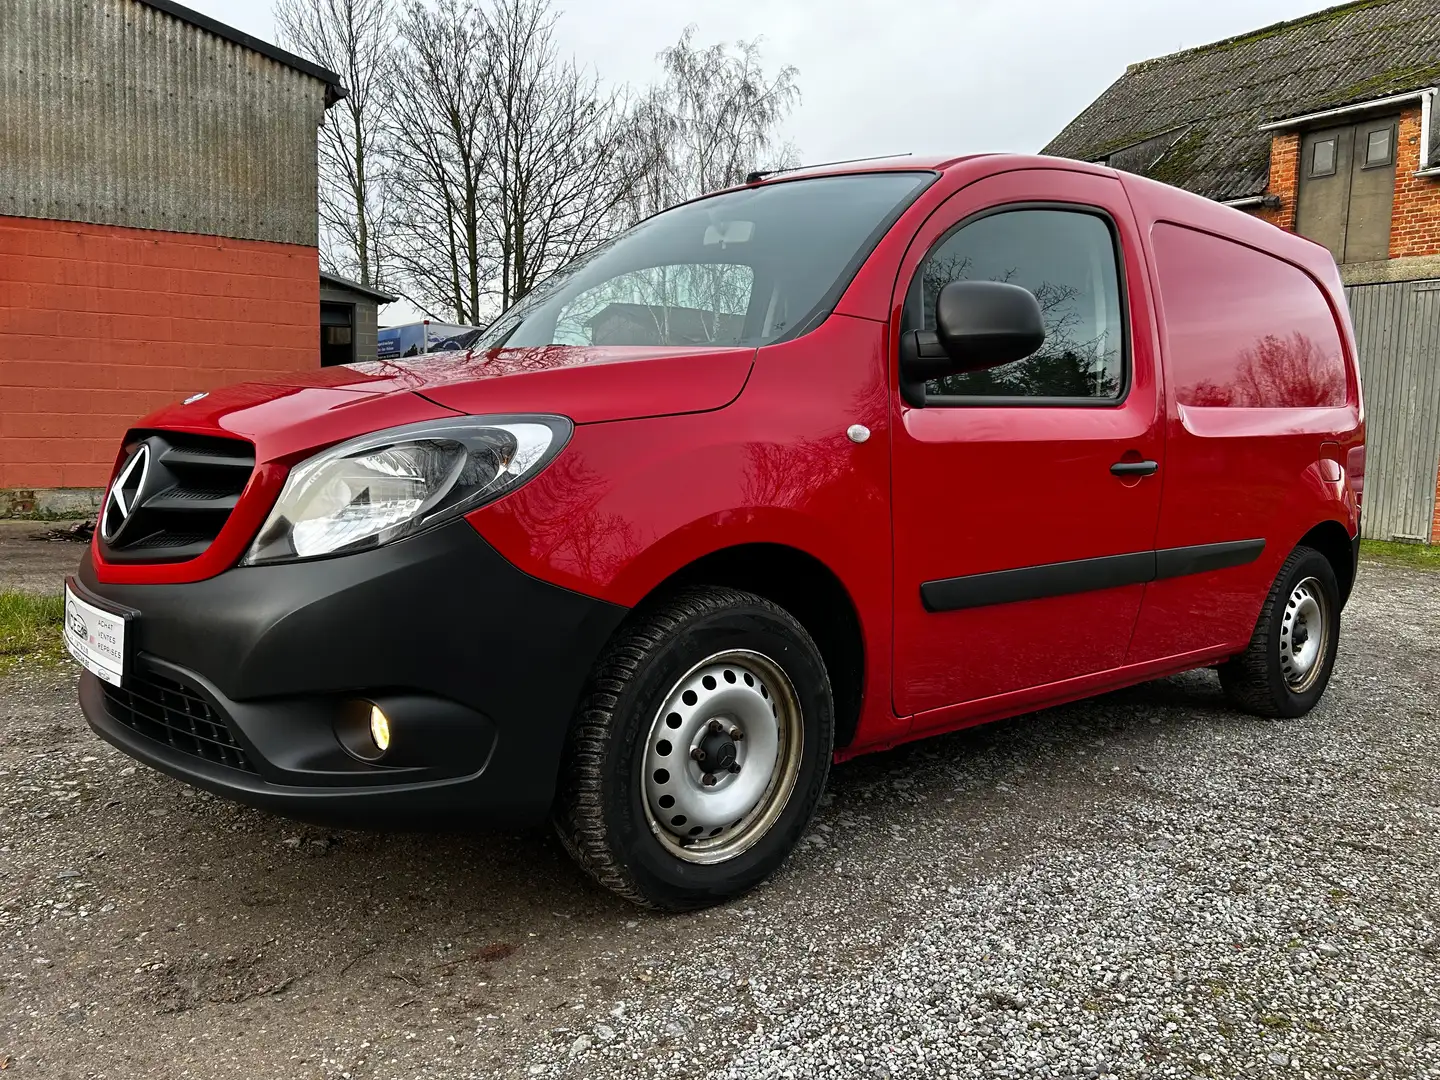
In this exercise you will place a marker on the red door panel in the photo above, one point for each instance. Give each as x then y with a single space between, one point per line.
1257 393
981 488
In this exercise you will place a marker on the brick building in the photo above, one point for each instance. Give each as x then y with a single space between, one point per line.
1329 126
158 227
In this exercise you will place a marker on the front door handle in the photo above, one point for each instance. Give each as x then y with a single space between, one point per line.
1134 468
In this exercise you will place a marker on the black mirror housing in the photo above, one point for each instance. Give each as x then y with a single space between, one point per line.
978 325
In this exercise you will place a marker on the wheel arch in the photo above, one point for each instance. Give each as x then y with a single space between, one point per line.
1331 540
807 588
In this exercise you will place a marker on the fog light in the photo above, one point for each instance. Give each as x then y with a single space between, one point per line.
379 728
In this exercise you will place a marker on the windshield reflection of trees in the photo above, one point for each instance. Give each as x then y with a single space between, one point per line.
1290 372
682 304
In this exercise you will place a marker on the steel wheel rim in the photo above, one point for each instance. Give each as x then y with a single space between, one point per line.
720 820
1304 635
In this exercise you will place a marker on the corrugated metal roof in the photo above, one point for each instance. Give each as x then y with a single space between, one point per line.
1199 112
264 48
114 112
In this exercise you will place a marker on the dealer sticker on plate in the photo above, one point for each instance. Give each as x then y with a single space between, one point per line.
95 638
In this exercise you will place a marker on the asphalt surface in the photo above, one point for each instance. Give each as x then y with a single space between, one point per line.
32 560
1143 885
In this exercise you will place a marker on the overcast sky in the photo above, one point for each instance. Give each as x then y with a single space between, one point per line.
891 76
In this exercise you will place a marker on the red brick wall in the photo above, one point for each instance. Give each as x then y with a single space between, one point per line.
1284 180
1415 220
1435 522
99 325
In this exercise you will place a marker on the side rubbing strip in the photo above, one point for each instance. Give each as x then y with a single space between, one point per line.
1084 575
1036 582
1198 558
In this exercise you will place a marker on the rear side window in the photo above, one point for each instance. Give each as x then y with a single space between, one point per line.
1242 328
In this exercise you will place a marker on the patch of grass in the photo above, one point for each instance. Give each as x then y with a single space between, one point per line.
1417 556
30 626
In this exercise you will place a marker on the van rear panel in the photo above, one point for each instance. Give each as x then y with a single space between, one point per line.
1263 407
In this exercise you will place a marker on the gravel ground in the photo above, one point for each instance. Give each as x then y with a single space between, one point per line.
1146 884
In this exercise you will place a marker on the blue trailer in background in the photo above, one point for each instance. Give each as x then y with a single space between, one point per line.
418 338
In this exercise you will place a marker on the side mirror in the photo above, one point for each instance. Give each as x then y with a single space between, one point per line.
978 325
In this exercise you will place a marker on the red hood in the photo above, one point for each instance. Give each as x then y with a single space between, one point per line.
587 384
290 414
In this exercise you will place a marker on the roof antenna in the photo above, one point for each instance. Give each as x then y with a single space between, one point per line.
761 174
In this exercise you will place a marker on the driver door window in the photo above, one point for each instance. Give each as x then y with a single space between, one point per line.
676 304
1067 259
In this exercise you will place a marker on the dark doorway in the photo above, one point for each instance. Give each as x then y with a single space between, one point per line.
337 334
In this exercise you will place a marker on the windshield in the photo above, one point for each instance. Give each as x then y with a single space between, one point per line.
745 268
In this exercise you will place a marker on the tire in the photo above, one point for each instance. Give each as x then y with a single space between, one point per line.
1271 677
740 657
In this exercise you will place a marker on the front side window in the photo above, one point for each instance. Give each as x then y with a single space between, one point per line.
1067 259
742 268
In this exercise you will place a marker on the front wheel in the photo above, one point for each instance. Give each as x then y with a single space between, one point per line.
1286 667
699 752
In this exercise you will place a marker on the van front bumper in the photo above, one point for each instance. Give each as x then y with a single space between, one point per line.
257 684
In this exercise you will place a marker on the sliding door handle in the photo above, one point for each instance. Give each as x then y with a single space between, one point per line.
1134 468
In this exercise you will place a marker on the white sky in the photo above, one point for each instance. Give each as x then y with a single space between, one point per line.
891 76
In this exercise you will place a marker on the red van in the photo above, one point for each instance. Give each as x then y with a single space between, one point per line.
783 475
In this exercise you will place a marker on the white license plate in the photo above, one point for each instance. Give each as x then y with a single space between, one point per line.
95 638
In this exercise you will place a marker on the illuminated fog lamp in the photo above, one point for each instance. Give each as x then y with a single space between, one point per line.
379 728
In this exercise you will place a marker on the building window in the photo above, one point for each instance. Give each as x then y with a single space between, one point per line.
1347 188
1322 158
1378 147
337 334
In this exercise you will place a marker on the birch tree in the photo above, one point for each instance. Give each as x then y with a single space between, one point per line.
713 118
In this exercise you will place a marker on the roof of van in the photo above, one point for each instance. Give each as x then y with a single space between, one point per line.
1193 118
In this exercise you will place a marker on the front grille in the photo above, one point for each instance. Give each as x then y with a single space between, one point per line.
173 508
171 713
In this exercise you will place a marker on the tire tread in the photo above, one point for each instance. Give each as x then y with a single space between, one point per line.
1246 678
579 816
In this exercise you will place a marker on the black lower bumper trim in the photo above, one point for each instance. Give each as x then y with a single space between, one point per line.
477 666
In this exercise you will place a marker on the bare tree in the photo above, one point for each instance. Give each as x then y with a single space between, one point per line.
711 120
441 155
561 171
353 38
507 160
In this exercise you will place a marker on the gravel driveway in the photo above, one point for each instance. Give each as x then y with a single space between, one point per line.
1142 885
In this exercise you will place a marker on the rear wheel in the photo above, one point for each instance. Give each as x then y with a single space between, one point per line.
1287 665
700 751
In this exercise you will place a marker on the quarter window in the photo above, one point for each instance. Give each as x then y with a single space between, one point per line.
1068 260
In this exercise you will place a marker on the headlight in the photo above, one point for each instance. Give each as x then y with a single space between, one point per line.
382 487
